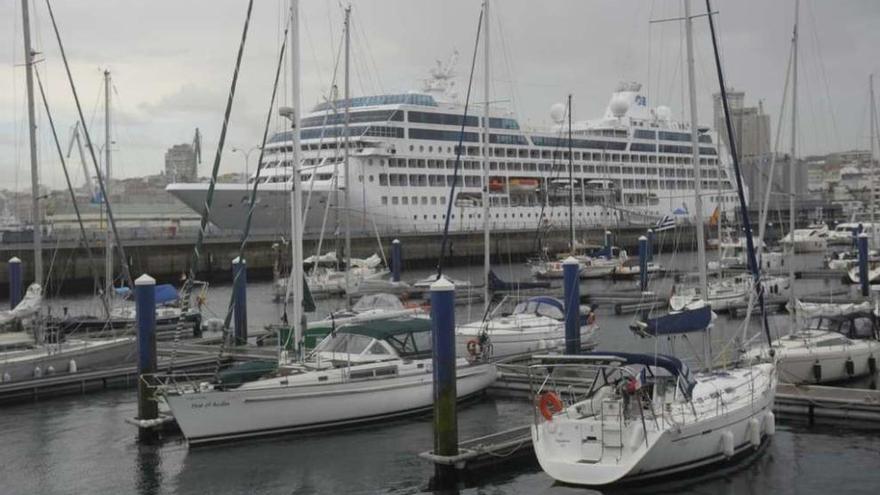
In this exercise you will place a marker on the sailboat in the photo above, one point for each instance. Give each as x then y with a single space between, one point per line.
39 352
827 342
608 417
361 372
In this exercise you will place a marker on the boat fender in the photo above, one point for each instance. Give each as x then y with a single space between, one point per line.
850 367
817 372
727 443
770 424
71 366
38 372
474 348
872 364
50 370
549 404
755 432
6 377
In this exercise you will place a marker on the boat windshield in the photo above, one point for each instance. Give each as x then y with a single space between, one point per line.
378 301
538 308
350 343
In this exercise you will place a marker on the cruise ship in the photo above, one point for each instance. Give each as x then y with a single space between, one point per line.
633 165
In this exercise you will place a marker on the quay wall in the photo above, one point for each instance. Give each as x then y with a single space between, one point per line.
167 259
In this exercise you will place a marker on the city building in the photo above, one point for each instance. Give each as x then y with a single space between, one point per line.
181 164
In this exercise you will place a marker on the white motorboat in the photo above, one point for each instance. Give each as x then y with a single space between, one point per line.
631 268
325 279
728 292
809 240
359 373
842 234
536 324
873 272
604 418
733 256
835 342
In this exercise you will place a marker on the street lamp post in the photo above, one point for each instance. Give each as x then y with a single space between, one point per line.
247 155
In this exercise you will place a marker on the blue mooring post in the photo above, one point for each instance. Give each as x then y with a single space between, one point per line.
644 253
396 260
571 286
445 414
239 305
650 245
863 264
14 282
145 308
607 244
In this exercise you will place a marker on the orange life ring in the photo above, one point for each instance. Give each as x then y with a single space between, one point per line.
549 404
474 347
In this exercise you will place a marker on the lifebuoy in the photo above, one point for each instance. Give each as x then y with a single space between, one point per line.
474 347
549 404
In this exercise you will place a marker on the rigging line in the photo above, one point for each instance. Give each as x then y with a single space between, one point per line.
753 263
458 151
818 46
366 41
252 203
123 260
206 211
82 229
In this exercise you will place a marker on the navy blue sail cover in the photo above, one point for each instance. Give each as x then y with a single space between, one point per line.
674 366
693 320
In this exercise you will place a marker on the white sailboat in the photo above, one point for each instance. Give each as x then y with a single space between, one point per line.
609 417
361 372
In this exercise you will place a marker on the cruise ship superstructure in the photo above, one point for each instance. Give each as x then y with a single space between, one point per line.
633 164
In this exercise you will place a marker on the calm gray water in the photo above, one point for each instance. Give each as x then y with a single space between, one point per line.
81 444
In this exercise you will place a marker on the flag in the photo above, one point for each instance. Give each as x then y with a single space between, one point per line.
665 223
716 215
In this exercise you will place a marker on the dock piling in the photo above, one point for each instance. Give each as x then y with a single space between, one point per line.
445 393
396 260
644 253
607 242
145 310
14 282
572 297
239 289
863 264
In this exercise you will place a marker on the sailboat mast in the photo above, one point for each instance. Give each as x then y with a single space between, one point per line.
571 182
792 161
873 188
36 213
296 256
695 152
698 186
346 158
486 221
108 233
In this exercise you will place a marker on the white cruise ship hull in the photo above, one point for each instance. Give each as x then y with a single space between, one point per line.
247 412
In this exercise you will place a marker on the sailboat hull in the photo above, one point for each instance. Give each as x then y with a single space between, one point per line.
22 365
216 416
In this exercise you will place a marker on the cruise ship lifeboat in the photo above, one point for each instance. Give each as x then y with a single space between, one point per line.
523 184
496 184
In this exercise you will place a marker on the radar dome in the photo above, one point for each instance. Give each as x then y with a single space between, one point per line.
557 112
664 113
619 106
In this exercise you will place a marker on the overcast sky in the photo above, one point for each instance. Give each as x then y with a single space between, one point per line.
172 62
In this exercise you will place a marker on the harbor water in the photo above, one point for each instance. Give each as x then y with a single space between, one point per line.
81 444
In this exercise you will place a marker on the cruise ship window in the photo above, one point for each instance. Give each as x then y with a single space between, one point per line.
443 202
493 165
430 149
433 200
404 200
384 200
421 148
394 200
415 200
411 147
